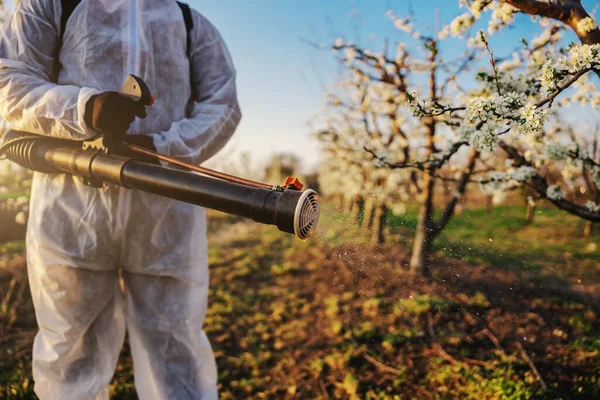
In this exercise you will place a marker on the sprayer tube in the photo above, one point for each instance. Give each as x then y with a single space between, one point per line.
262 205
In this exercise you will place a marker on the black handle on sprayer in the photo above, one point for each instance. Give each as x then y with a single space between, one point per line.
135 88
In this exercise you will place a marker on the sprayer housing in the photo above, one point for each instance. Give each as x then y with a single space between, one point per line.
291 210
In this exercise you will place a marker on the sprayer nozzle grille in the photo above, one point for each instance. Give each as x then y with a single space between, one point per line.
307 214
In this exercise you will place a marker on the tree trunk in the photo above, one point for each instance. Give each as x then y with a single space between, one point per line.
489 204
348 203
587 230
367 221
357 206
422 242
424 233
530 212
339 201
379 222
421 247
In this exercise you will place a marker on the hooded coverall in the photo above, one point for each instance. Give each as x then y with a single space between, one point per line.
79 237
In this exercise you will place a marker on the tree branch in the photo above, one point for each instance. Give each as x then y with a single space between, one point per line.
570 12
460 190
540 185
565 86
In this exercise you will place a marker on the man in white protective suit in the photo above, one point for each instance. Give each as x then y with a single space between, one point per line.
79 237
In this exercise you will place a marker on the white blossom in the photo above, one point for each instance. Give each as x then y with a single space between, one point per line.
596 175
502 15
403 24
523 174
586 25
592 206
461 23
554 192
21 218
558 151
579 58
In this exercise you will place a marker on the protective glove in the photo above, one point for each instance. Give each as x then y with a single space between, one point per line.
142 141
112 113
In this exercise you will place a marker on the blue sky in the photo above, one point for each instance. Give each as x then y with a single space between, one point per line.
281 79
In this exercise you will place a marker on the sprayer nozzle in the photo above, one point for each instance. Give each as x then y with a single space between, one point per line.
306 216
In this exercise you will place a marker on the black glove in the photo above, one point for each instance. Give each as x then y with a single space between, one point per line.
112 113
144 141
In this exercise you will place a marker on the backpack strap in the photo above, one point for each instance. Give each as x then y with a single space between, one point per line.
189 25
68 6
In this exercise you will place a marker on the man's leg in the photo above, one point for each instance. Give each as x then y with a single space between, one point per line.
172 356
82 326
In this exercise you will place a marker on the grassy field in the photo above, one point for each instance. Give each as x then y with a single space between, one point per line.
510 312
553 246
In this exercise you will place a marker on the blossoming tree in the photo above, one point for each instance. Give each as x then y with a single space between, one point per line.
372 129
507 113
512 111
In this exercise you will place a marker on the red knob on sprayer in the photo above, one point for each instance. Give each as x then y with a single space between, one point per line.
292 183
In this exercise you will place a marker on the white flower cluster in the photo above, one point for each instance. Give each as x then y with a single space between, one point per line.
461 23
586 25
554 192
532 118
587 93
494 108
558 151
485 117
501 181
593 207
403 24
483 139
521 174
596 175
503 14
508 82
554 72
423 107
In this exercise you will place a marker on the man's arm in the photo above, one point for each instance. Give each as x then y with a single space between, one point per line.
216 112
28 101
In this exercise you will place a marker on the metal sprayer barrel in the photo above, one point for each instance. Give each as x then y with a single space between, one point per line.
292 211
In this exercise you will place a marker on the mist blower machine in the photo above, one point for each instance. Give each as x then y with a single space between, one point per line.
97 162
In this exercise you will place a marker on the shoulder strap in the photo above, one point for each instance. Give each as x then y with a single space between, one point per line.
68 6
189 23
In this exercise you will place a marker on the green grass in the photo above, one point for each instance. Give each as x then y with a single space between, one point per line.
12 195
12 248
552 245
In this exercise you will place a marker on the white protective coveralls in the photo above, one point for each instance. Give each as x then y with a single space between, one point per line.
79 236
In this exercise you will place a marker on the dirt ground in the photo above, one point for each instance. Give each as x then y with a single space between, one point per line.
331 319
